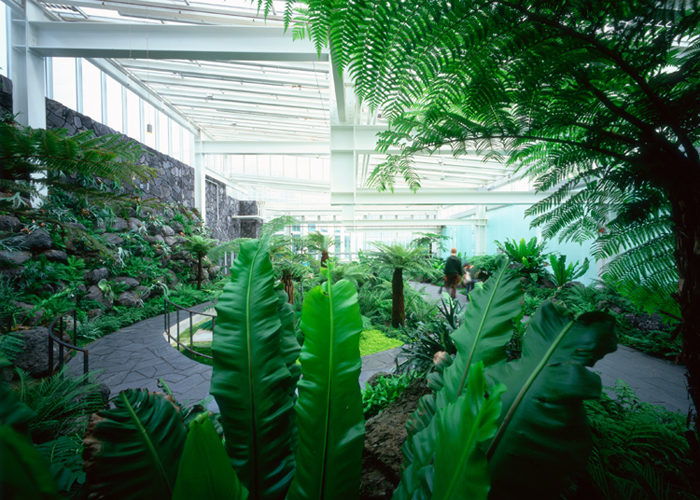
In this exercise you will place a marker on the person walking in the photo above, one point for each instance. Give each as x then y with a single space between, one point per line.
453 273
468 278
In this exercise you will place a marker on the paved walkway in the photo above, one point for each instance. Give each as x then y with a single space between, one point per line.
139 355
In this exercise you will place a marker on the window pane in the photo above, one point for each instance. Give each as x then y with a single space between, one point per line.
133 118
92 92
175 132
186 137
64 81
149 116
114 105
162 132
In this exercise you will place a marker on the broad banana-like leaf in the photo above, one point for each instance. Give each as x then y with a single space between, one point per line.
24 472
290 352
250 380
329 408
133 450
205 471
544 434
461 469
482 337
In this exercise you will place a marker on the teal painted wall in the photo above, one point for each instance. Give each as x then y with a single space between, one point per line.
510 223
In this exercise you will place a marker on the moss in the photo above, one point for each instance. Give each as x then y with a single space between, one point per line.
372 341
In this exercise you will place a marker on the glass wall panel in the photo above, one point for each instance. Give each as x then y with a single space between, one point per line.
302 168
290 167
64 81
92 92
263 165
175 134
237 164
133 116
3 41
277 166
149 118
162 131
316 166
114 105
186 149
251 165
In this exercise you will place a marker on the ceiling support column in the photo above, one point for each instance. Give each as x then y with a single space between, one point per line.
28 70
200 180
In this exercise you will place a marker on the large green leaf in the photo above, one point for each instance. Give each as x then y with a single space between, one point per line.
544 435
133 450
290 352
329 409
482 337
250 380
461 469
24 473
205 471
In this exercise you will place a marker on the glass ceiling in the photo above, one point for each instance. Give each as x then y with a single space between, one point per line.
265 101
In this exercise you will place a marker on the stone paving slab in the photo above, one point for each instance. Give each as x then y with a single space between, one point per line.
139 355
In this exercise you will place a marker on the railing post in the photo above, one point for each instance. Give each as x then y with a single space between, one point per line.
191 335
60 357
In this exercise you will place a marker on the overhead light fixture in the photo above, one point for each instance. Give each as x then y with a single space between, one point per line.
149 128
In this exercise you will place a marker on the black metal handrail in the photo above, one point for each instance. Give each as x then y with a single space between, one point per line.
61 343
166 326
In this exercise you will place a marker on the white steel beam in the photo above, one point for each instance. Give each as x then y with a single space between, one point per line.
28 70
433 196
264 148
165 41
384 223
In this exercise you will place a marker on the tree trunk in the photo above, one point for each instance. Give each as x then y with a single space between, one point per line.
324 258
199 271
288 285
398 307
686 220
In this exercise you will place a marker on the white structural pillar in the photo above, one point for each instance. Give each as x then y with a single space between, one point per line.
200 180
28 70
480 230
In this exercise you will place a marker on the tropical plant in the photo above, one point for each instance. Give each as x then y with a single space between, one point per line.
556 350
563 274
592 99
199 246
397 258
528 255
384 391
321 243
430 239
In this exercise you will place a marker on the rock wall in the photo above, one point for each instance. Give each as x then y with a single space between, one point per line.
175 180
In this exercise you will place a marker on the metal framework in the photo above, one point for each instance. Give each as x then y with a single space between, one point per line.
242 86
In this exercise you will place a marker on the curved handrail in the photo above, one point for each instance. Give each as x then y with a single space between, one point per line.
61 343
166 327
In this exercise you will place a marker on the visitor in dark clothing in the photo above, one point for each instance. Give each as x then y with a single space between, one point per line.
453 273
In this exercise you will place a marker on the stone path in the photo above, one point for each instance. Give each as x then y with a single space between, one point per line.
139 355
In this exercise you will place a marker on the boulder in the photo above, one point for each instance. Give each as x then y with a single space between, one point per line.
104 392
56 256
113 239
100 225
177 227
149 238
8 223
134 224
12 273
159 238
143 292
384 435
130 282
171 279
646 322
27 316
214 270
94 293
95 276
167 231
95 313
170 240
129 299
77 225
13 258
38 240
119 224
35 356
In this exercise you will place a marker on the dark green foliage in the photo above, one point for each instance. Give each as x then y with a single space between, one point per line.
61 404
386 389
640 452
563 274
529 256
64 455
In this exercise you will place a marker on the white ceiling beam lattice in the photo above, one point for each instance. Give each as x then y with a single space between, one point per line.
164 41
434 196
264 148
